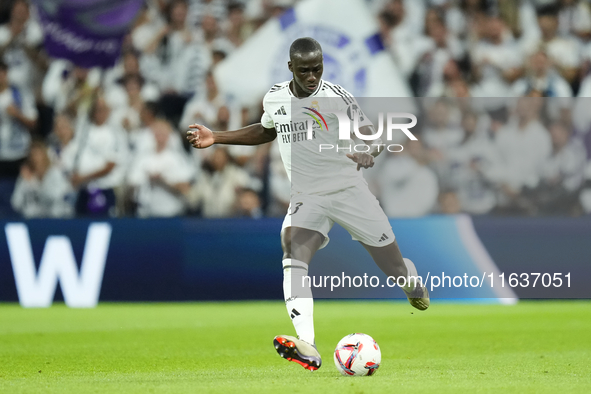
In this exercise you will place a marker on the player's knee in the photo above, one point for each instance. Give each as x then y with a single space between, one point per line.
300 244
286 243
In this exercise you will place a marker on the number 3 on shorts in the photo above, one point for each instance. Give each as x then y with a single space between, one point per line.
298 205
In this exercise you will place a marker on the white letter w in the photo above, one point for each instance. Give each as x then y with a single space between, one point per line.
58 262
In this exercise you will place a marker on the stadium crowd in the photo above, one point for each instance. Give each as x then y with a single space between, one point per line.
502 87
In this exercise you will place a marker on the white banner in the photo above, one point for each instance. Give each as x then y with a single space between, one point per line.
37 289
353 53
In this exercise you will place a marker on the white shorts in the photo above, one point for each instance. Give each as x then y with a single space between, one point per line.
355 208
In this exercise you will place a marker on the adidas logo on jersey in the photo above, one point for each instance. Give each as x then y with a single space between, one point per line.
281 111
384 237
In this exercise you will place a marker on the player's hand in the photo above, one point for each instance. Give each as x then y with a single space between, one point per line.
200 136
363 160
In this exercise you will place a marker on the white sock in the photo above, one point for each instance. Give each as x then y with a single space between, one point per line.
410 275
298 298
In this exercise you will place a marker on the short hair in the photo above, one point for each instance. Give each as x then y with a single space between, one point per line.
235 6
388 18
551 10
170 6
304 45
3 66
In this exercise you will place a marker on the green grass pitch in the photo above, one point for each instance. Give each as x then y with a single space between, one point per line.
531 347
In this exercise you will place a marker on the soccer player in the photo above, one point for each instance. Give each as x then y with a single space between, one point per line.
327 187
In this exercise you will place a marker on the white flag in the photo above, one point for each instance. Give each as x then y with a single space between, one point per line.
353 53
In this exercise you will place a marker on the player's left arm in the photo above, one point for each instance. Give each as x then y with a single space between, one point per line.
365 127
366 159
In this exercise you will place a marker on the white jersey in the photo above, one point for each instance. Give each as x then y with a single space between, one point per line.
310 169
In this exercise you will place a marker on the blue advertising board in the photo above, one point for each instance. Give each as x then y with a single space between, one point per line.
84 262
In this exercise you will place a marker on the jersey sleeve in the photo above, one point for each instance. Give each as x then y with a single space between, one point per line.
348 104
266 119
352 108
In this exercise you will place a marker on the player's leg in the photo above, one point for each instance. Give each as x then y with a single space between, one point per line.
299 246
359 212
301 243
389 259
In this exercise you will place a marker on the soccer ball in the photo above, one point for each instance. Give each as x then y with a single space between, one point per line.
357 355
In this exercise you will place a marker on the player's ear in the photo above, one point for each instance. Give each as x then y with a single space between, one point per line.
289 66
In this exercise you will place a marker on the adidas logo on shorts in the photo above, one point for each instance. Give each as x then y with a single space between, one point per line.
384 237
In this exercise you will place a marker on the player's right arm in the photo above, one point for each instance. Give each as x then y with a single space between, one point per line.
256 134
201 137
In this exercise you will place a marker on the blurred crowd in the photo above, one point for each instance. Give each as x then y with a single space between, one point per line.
505 123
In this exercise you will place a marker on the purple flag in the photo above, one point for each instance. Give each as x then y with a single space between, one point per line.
87 32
